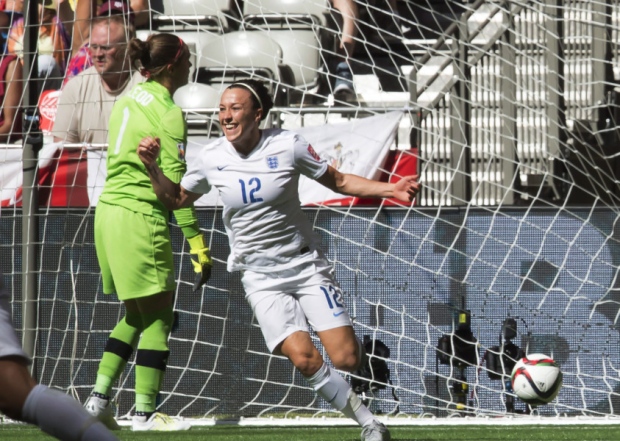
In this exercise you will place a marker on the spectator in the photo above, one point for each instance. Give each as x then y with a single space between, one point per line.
348 13
80 57
86 101
52 44
11 11
22 399
10 98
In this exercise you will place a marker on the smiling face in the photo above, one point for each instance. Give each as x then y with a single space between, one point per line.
240 119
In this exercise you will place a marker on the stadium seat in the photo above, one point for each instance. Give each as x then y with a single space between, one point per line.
175 15
246 54
300 13
200 103
295 25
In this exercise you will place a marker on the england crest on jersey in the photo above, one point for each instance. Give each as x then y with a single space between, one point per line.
181 148
272 162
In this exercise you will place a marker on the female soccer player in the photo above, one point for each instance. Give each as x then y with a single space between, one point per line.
131 230
285 275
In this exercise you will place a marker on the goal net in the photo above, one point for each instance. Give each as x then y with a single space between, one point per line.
506 109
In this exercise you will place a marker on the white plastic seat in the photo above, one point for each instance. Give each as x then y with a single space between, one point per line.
245 54
200 103
295 25
175 15
296 12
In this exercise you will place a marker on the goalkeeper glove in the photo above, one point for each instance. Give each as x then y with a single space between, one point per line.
202 262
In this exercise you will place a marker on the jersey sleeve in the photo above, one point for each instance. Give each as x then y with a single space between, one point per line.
307 161
173 140
195 179
65 121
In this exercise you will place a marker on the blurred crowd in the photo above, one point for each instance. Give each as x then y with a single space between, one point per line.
65 49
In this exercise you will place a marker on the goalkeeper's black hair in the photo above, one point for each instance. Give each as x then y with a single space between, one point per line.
260 94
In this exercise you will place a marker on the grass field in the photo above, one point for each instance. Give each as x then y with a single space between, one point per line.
403 433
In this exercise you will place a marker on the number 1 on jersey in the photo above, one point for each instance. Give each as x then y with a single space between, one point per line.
121 132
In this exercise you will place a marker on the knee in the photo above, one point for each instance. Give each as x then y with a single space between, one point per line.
345 360
307 363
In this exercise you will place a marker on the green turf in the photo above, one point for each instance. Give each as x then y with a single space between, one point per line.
409 433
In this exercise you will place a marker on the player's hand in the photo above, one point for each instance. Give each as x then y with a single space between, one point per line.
407 188
202 261
148 151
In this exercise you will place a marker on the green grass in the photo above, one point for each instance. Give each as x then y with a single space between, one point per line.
408 433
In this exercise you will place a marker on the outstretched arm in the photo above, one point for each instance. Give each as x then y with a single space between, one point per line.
353 185
172 195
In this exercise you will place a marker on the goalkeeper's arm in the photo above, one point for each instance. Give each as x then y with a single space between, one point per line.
201 258
174 197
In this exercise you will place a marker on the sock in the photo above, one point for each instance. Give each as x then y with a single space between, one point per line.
63 417
329 385
152 358
118 349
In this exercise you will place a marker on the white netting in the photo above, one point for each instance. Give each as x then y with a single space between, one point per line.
507 109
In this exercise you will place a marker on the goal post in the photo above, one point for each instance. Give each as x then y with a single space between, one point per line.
508 111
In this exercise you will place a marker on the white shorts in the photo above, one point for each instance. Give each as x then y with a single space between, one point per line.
9 343
285 301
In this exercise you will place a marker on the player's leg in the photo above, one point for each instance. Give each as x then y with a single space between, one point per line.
21 399
109 238
118 350
151 361
62 417
142 269
283 322
323 306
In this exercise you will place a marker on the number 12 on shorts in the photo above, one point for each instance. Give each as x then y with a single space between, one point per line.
334 298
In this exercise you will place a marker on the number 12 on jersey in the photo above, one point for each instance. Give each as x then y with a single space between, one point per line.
249 190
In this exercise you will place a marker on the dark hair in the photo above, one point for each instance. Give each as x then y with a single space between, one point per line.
260 94
158 51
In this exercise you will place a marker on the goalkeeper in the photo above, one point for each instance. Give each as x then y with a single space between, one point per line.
288 281
131 231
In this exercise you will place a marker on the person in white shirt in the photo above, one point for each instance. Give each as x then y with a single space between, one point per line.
287 279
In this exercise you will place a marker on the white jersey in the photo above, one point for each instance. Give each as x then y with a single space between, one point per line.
267 230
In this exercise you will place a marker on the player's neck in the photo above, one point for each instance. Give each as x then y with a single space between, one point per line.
245 147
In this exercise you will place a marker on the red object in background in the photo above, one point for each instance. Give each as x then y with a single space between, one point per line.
398 163
48 103
64 182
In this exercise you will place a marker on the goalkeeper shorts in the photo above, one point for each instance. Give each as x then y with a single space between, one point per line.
9 343
287 301
134 252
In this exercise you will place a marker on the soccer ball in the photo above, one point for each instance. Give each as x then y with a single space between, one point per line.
536 379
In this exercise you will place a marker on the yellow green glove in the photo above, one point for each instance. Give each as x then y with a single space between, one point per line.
202 262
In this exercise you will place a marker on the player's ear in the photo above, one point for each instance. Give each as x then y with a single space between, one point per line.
259 114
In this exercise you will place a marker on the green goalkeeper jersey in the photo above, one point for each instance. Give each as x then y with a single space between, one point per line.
147 110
